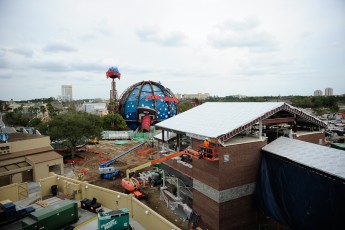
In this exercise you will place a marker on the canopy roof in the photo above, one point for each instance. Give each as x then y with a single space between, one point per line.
223 120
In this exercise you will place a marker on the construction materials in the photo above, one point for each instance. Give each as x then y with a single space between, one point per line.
114 220
117 135
107 171
53 217
42 203
120 142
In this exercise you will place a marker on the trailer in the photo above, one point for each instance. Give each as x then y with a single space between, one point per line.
52 217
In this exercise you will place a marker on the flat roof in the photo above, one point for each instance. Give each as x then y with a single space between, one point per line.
12 137
25 153
322 158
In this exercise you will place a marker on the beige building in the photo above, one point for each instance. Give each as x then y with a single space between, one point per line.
27 157
200 96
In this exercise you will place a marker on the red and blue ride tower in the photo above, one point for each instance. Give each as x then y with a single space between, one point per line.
113 73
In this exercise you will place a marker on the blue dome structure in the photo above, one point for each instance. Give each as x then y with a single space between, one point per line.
147 99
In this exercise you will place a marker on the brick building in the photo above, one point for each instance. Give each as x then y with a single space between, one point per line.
222 189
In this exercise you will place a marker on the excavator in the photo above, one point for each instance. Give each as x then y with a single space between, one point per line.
132 185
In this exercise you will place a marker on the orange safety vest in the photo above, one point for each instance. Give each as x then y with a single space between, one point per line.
206 143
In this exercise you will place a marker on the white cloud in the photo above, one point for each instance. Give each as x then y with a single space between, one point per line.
57 47
174 38
241 34
220 47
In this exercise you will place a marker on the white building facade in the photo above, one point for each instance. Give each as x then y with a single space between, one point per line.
66 93
318 93
329 92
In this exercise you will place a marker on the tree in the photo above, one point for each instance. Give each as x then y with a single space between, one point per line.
183 106
73 128
114 122
17 117
35 122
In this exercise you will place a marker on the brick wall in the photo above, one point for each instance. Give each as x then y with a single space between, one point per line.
312 138
243 165
208 209
241 169
235 214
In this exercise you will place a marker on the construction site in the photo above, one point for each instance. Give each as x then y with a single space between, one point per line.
235 165
86 168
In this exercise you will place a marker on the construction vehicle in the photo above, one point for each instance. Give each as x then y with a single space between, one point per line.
92 141
209 150
132 185
107 171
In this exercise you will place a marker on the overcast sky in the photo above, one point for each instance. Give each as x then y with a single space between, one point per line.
221 47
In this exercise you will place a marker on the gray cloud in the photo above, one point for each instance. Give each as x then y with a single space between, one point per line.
87 66
5 76
26 52
241 34
51 66
175 38
3 62
58 66
59 47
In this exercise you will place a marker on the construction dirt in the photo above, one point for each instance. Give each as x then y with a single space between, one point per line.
87 163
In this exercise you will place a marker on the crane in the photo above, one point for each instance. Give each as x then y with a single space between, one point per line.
107 171
132 185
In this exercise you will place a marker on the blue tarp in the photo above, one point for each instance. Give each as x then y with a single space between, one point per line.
299 197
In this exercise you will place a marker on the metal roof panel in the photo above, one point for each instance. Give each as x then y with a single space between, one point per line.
329 160
213 119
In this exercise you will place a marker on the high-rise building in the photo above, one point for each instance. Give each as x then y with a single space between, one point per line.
66 93
318 92
329 92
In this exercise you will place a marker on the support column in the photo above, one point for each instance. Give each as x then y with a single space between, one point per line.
260 129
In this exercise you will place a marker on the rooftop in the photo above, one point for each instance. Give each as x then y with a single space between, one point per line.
223 120
325 159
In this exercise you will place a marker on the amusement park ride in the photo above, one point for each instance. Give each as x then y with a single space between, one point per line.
142 104
113 73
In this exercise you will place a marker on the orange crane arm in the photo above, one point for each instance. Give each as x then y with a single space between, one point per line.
190 152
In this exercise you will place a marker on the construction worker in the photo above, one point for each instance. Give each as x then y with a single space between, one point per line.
152 142
206 143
